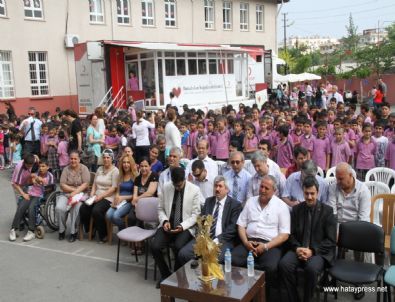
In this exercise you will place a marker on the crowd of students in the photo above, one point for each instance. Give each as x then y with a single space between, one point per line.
133 152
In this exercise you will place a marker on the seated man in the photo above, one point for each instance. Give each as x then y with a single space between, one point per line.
293 193
179 206
263 226
224 229
201 180
173 161
262 168
312 242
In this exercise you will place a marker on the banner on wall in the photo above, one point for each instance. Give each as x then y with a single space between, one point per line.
200 89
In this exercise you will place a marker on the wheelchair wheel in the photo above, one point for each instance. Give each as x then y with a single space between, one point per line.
49 211
39 232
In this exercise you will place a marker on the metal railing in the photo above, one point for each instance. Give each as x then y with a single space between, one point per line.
117 100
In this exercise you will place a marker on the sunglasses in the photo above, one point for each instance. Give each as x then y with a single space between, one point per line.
197 175
235 162
31 114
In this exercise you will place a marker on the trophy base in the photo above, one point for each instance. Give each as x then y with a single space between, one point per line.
207 278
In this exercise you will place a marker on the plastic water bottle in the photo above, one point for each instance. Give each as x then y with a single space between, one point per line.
250 265
228 261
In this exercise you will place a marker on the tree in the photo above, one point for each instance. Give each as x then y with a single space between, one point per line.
350 42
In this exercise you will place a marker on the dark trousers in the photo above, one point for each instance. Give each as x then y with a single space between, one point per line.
288 275
268 262
21 209
98 212
141 151
162 240
187 253
31 147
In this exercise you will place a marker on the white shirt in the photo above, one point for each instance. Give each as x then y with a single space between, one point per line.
218 227
26 124
140 132
210 165
172 135
265 223
206 187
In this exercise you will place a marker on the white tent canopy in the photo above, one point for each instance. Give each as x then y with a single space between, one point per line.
292 77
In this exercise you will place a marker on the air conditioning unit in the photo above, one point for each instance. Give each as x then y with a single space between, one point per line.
70 40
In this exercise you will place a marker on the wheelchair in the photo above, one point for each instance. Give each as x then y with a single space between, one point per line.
45 212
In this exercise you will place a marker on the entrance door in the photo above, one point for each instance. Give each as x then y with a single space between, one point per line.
132 67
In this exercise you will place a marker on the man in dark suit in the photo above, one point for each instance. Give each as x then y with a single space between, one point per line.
225 211
312 242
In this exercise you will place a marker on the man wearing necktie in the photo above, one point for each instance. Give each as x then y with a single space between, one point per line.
312 243
30 129
179 206
225 211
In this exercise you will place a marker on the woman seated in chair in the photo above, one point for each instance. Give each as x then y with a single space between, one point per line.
103 190
145 185
74 180
121 205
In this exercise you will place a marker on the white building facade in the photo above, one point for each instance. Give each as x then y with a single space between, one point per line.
37 64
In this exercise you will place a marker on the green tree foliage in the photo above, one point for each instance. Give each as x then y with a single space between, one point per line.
350 42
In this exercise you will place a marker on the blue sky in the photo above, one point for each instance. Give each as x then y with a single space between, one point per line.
329 17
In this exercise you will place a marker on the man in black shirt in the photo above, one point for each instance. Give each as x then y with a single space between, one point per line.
75 142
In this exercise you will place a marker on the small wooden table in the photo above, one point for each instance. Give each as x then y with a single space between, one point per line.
237 286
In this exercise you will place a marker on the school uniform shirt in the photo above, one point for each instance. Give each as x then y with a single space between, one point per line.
223 139
321 148
390 154
307 142
285 154
340 152
365 154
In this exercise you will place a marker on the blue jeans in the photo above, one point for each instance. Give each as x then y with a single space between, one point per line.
115 215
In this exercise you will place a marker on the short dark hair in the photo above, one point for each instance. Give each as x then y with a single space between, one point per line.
177 174
310 181
29 159
197 164
266 142
284 130
300 150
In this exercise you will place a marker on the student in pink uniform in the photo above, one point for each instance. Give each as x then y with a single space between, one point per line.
307 139
390 153
297 132
223 139
321 147
250 144
284 148
366 149
63 155
201 135
212 139
191 141
340 150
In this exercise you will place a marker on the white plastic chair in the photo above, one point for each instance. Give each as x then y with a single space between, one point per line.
380 174
377 188
320 172
331 172
393 190
330 180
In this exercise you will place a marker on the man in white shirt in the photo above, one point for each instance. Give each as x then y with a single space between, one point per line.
31 128
263 226
335 94
225 211
210 165
173 161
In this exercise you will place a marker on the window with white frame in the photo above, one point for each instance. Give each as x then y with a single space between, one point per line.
227 14
96 11
147 12
244 16
3 11
259 17
209 14
33 9
38 68
123 14
170 13
6 77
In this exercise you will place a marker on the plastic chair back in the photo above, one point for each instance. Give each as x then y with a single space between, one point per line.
376 188
320 172
353 235
331 172
380 174
330 180
388 220
147 209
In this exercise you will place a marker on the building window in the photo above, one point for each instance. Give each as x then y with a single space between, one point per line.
6 78
96 11
147 12
33 9
259 17
123 14
170 13
209 14
244 16
3 12
38 68
227 15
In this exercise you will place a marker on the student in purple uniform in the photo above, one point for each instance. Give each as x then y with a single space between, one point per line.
307 138
284 148
201 135
321 147
340 150
191 141
250 144
297 132
390 153
223 139
366 149
212 138
263 131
